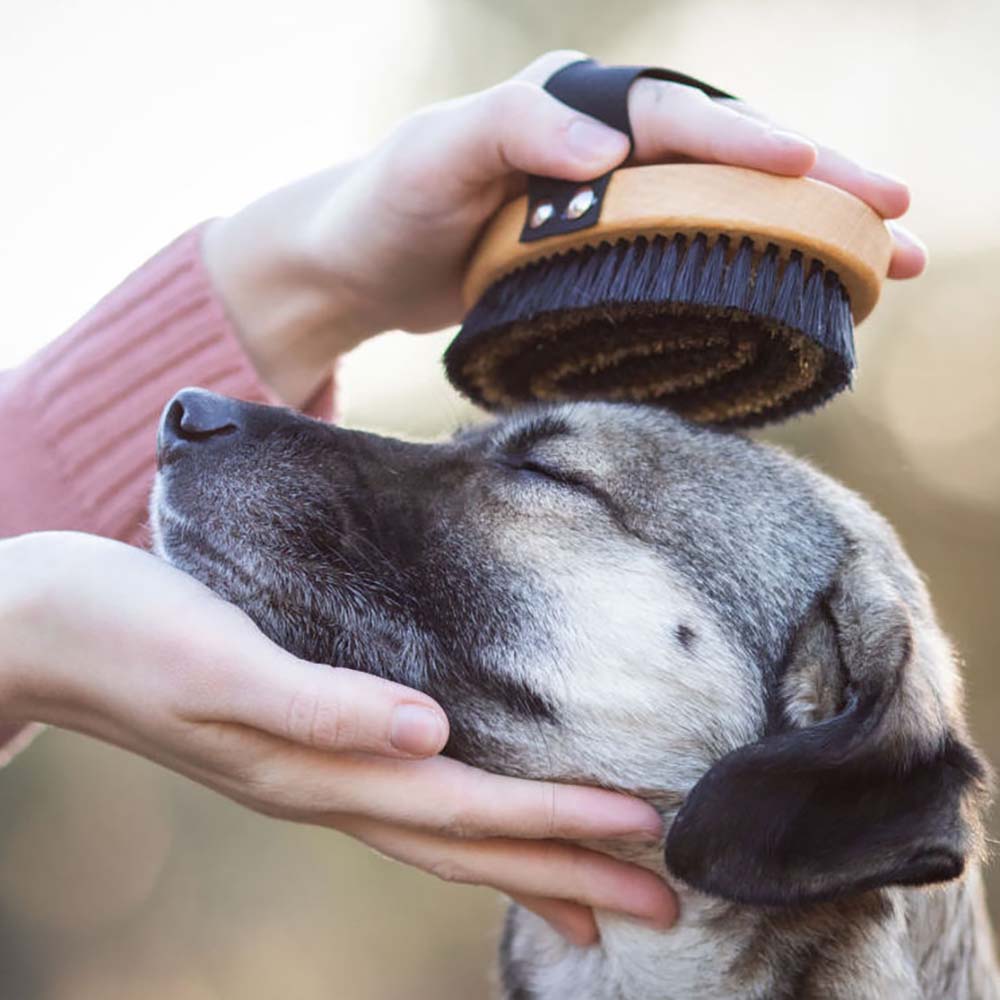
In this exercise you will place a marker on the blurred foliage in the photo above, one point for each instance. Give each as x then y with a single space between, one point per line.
121 881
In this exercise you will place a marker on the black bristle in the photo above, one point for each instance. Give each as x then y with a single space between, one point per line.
839 322
787 305
645 286
566 287
556 290
686 281
736 289
640 262
661 290
651 259
814 302
611 264
724 335
710 279
764 279
536 279
623 278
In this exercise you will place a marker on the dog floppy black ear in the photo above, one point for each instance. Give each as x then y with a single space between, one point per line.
867 783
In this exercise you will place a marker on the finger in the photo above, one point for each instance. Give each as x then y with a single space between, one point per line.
438 794
909 255
321 707
445 795
670 119
517 127
548 869
889 196
574 922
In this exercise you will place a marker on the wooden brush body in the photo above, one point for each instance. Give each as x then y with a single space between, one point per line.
795 213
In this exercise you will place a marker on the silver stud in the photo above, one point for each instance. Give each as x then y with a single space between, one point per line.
580 203
544 211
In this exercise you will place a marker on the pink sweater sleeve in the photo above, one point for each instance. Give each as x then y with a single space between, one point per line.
79 418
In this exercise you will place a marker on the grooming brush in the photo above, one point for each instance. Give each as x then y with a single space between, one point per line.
728 295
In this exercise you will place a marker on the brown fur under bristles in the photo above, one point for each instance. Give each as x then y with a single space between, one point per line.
730 337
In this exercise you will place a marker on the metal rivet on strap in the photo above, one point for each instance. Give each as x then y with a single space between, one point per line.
580 203
542 213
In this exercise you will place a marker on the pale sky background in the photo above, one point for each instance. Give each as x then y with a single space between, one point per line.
123 123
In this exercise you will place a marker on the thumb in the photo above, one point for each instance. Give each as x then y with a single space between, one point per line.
516 126
332 708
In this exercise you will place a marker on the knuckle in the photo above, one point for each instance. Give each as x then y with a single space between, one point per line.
288 793
551 792
411 159
458 816
451 869
541 68
262 790
718 147
460 822
570 861
264 806
412 133
415 125
313 721
744 124
511 98
648 93
692 95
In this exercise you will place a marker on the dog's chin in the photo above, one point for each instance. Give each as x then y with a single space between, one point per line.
183 543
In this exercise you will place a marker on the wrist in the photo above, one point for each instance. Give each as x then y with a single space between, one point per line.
292 313
21 611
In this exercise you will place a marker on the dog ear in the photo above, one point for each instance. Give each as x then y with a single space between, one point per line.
867 782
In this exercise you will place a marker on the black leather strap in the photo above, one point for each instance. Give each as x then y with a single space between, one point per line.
602 93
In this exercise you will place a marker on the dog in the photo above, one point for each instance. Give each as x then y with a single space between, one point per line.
605 593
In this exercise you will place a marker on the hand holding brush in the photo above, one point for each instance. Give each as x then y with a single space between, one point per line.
383 243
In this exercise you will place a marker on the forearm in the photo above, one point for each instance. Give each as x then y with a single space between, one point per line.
293 314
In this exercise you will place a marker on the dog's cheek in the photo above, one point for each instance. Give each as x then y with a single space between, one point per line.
648 688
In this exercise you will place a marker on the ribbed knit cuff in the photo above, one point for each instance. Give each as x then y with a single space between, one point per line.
93 397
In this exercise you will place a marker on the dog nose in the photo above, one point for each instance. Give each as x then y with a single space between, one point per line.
194 416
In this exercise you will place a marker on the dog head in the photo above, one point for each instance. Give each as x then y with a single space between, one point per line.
606 593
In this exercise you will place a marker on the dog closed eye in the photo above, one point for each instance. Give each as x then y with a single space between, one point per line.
546 471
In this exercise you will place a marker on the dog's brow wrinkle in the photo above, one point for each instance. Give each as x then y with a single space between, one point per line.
537 429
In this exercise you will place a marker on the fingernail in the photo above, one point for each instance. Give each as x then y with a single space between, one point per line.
590 141
416 730
658 923
662 921
879 175
789 139
640 822
903 235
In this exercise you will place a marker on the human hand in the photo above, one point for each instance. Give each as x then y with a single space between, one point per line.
105 639
382 243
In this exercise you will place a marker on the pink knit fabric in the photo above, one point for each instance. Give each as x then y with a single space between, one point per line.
79 418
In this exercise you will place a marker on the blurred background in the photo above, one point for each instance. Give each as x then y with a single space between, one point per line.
125 123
